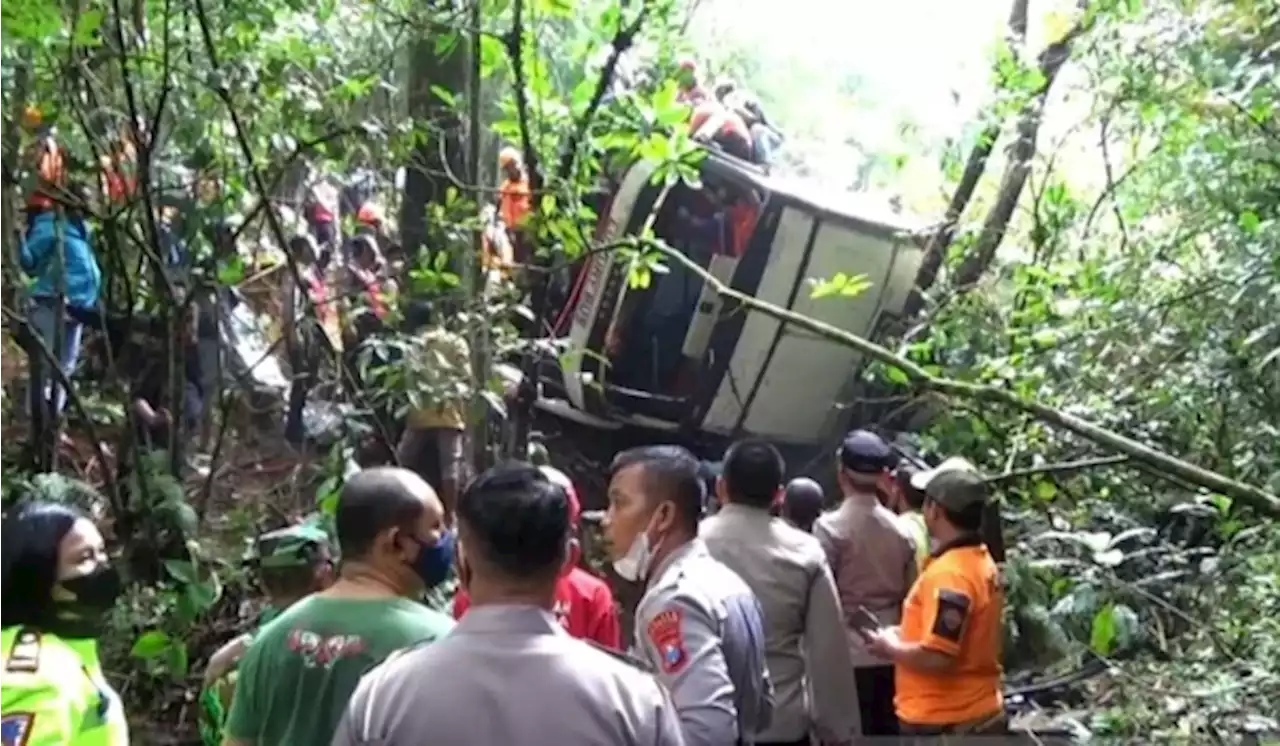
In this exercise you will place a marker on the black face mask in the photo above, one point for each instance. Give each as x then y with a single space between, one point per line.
95 596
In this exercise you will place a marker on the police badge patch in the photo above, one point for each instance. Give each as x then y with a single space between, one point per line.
667 637
15 729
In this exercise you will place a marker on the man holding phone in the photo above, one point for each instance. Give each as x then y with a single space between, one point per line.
872 556
946 652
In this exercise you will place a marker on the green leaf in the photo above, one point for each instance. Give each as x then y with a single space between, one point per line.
178 663
1249 222
151 644
492 54
897 375
445 95
1045 490
181 570
205 594
231 272
1103 634
86 31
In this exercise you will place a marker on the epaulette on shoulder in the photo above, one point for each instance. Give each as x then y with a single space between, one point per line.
618 655
24 656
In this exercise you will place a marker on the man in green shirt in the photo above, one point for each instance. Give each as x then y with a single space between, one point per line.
291 563
301 669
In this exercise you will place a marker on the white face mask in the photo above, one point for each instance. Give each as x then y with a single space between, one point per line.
633 566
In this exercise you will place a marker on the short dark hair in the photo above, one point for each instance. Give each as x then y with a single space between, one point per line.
29 545
670 473
903 474
372 501
753 471
516 519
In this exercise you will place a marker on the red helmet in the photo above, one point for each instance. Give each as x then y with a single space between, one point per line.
369 214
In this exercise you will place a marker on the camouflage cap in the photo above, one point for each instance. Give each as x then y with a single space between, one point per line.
292 546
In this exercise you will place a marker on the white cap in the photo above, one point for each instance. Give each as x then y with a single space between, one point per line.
920 480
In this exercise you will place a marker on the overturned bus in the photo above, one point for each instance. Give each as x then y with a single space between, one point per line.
678 359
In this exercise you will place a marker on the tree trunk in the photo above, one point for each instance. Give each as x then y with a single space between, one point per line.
442 152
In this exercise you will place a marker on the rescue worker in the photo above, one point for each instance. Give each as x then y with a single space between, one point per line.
802 503
58 587
946 652
907 501
508 673
515 201
689 90
787 570
291 563
57 252
873 557
151 393
698 624
584 604
321 210
713 122
301 669
49 167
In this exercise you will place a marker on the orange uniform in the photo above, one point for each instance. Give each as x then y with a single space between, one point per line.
954 608
514 202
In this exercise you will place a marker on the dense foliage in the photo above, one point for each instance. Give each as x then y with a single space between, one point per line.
1117 259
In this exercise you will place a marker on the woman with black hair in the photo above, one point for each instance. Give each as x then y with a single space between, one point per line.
58 587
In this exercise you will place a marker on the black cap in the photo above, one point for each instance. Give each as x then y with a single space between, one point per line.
804 494
865 452
957 489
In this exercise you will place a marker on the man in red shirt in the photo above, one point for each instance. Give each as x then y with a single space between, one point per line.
584 603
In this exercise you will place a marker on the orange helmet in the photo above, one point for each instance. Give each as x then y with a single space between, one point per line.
369 214
32 118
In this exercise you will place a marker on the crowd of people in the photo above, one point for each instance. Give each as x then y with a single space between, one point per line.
774 618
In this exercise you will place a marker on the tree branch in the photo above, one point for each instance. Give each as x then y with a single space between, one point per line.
1258 498
1060 468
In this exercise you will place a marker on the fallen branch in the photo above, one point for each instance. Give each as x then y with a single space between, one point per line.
1255 497
1060 468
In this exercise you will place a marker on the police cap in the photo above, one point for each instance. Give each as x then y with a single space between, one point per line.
865 452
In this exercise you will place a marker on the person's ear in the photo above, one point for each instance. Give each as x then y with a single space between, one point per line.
722 492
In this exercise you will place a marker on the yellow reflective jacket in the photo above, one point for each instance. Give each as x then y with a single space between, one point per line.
52 693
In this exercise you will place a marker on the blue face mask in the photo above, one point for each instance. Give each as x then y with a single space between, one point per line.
434 561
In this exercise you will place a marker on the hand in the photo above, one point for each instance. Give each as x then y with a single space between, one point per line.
882 642
162 417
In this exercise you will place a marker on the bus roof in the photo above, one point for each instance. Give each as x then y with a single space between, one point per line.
862 209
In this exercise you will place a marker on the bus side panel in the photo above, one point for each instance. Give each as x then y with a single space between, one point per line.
752 351
599 270
807 373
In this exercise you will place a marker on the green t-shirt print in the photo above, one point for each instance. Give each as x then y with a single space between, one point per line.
294 682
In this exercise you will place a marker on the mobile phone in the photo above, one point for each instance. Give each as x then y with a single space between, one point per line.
863 619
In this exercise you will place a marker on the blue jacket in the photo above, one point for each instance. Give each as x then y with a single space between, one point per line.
83 278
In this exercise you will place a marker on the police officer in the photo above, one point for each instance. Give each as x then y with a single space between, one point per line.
58 588
873 556
509 673
698 623
806 649
802 503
